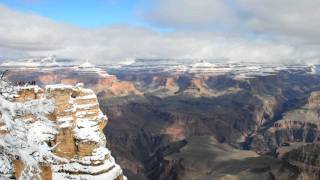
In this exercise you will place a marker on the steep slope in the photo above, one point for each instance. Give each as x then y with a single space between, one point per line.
305 158
297 126
239 118
153 116
300 124
202 157
75 141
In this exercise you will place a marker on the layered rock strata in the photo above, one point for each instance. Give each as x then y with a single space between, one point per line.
77 138
299 125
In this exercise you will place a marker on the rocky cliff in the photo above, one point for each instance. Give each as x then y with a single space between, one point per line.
301 122
75 136
109 85
297 126
158 120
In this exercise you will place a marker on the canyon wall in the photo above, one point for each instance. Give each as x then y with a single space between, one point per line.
77 139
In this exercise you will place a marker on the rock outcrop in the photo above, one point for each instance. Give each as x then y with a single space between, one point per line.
77 139
305 158
148 111
202 157
298 125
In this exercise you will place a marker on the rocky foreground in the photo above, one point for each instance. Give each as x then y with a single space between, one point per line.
74 137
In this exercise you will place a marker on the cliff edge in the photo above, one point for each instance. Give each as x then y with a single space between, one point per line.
54 133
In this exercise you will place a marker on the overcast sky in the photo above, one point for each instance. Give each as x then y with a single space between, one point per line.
114 30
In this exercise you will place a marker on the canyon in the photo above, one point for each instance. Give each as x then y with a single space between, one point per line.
244 115
259 122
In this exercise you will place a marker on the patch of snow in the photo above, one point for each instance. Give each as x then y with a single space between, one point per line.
65 122
86 106
88 134
6 167
88 172
90 96
58 86
81 114
98 155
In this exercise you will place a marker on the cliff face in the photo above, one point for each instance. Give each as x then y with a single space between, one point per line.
298 125
243 113
77 140
109 85
154 117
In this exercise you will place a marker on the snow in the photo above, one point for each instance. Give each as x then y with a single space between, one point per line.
49 61
112 174
71 109
35 88
81 114
6 169
25 137
86 106
29 130
58 86
89 68
43 132
8 91
80 85
87 134
87 118
82 123
98 154
211 67
65 122
87 64
108 170
90 96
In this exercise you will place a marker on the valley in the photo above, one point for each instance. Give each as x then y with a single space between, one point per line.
203 124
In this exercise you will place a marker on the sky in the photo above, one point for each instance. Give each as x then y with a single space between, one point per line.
91 14
110 31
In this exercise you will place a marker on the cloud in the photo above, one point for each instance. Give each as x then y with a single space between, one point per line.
289 18
25 34
295 20
187 13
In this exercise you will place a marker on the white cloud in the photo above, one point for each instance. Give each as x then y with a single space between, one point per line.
295 19
25 34
189 12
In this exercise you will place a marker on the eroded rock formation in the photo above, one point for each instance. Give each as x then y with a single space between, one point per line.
77 138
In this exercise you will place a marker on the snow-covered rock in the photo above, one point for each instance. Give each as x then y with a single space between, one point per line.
54 133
